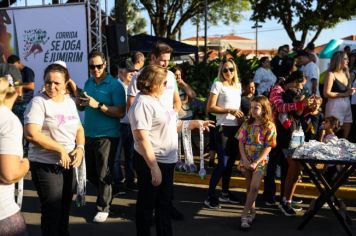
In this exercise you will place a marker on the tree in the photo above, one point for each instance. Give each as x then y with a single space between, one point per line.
303 15
136 24
168 16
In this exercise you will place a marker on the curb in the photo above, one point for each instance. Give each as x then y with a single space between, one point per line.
307 189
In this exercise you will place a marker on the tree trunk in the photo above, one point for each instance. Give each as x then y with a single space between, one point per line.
317 33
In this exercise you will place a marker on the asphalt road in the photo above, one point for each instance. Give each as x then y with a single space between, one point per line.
199 221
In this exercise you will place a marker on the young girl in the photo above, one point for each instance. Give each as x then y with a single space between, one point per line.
312 119
257 136
331 126
293 137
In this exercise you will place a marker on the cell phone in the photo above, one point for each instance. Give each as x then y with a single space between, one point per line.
84 101
81 93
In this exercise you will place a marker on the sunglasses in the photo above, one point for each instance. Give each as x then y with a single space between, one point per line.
225 70
99 67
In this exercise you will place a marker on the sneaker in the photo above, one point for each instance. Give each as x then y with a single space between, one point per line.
296 207
212 203
229 197
100 217
245 226
251 217
297 200
287 209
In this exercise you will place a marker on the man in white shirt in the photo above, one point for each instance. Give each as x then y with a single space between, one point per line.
160 55
126 71
311 72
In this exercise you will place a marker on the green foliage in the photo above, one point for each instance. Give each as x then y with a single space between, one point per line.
168 16
220 12
200 76
304 15
136 24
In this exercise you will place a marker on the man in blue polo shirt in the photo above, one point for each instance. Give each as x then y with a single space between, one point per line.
104 102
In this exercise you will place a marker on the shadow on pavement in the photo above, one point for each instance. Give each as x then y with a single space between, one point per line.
199 221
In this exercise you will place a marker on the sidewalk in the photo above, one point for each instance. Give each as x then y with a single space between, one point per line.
306 189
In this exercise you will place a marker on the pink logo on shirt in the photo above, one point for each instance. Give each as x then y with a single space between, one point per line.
62 119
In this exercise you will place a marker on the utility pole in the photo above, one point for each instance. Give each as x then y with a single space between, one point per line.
180 30
256 26
206 33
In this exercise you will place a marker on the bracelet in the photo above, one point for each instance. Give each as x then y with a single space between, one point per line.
81 146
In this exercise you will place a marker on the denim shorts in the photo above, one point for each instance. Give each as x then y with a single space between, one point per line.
295 142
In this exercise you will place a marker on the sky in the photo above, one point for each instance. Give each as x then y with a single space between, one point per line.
271 35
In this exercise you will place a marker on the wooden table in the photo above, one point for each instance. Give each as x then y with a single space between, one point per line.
327 189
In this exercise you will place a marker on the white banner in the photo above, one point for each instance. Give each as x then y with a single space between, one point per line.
47 34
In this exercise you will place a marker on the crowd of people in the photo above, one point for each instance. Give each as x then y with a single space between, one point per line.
138 113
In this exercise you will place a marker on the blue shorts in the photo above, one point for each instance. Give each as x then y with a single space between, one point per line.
295 142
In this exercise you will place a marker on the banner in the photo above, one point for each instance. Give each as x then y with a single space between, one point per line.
43 35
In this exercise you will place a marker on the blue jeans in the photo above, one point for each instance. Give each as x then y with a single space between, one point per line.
227 150
126 146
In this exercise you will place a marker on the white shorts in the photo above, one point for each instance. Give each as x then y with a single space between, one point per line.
340 108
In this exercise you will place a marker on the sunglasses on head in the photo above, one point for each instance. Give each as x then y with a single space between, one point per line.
99 67
225 70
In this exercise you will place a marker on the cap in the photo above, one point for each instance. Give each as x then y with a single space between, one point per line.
128 65
62 63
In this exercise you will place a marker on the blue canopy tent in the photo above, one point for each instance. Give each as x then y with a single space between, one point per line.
144 43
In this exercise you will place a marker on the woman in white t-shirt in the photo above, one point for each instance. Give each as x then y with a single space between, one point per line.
264 78
56 136
12 166
154 127
225 101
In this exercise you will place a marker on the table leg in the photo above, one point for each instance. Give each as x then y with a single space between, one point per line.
320 200
327 193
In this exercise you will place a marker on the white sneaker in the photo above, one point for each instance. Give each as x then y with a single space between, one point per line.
100 217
